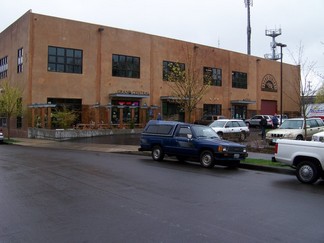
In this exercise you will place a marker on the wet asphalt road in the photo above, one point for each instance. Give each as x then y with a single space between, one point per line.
77 196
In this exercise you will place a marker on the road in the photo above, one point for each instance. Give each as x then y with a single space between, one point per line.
79 196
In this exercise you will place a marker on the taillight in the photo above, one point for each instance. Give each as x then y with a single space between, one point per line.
276 148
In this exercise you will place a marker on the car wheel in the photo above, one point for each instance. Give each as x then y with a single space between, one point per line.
299 137
220 134
307 172
157 153
207 159
242 136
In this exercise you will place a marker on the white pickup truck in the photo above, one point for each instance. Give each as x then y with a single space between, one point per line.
307 157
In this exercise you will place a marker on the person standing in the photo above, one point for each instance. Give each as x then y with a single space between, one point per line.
275 121
263 125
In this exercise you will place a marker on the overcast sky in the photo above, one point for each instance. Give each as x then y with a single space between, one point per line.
217 23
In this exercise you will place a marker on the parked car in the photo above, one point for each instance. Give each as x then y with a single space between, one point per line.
294 129
190 142
255 120
231 129
207 119
319 137
284 117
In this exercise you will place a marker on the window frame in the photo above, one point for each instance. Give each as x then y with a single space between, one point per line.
167 71
126 66
64 60
4 67
239 80
216 76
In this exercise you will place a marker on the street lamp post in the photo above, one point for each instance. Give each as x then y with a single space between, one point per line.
281 46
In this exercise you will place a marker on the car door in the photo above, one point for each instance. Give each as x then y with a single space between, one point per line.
255 121
236 129
183 145
228 130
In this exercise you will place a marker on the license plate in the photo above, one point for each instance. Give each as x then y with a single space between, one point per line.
236 156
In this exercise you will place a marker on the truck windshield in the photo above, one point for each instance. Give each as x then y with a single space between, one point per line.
204 132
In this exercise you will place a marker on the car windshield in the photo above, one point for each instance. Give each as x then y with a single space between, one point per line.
204 132
292 124
218 123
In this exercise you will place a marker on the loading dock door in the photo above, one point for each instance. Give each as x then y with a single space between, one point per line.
268 107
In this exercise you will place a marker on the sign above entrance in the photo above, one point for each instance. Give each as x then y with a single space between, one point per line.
269 84
130 93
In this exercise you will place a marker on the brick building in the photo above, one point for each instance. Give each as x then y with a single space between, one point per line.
114 76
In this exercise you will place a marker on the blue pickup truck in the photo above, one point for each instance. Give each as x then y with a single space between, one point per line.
190 142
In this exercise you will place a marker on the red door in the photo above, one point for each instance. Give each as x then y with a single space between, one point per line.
268 107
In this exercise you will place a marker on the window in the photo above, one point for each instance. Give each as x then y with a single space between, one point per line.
213 76
64 60
20 60
212 109
167 69
125 66
3 67
19 109
239 80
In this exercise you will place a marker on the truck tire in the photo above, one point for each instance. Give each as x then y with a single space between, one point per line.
207 159
307 172
157 153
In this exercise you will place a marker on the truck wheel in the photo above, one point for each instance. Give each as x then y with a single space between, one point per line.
242 136
207 159
157 153
307 172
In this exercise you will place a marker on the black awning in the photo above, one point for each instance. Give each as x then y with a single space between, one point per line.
242 102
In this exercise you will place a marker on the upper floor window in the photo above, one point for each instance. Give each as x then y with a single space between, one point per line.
213 76
64 60
125 66
20 60
172 69
3 67
239 80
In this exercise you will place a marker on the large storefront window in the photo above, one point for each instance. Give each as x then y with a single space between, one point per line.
171 111
128 107
212 109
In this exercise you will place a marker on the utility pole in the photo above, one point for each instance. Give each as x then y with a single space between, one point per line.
248 4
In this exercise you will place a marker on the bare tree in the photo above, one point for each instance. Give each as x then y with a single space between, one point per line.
308 87
10 102
188 86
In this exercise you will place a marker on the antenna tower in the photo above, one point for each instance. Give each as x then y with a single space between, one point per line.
248 4
273 33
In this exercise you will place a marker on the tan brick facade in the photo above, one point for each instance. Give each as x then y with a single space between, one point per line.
96 84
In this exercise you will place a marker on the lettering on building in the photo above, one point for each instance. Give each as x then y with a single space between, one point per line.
132 92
